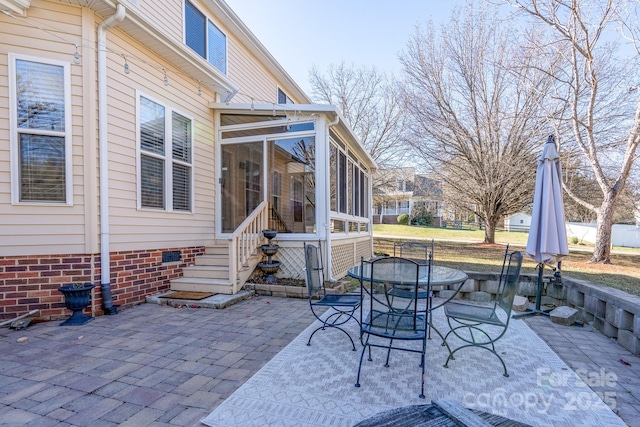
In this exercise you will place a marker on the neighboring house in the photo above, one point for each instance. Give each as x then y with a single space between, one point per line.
145 145
401 190
517 222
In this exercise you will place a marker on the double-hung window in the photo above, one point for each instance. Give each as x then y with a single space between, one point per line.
204 37
165 159
40 127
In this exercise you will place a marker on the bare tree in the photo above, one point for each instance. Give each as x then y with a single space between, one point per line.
474 120
369 101
592 87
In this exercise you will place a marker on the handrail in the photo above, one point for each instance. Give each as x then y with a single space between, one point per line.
245 239
277 218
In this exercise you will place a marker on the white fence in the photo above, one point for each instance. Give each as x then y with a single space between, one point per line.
621 234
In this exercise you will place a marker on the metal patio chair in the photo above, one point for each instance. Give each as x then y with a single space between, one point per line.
480 326
393 318
422 253
417 251
343 306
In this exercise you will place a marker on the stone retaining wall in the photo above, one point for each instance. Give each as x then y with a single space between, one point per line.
613 312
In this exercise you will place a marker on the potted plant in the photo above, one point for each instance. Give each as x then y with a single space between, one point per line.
76 297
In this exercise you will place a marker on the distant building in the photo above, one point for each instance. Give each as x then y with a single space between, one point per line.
517 222
401 190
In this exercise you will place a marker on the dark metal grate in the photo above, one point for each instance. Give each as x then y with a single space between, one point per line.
170 256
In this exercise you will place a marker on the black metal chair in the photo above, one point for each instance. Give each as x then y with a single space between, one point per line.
399 317
417 251
343 305
480 326
422 253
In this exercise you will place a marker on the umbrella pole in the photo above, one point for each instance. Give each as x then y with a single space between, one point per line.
536 310
539 289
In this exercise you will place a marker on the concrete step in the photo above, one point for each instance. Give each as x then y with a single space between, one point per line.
206 272
215 301
195 284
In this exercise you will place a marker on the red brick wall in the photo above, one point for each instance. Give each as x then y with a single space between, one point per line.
31 282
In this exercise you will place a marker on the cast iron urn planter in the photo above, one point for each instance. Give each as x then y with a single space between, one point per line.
76 297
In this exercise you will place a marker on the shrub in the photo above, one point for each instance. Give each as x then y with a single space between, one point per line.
422 217
573 240
403 219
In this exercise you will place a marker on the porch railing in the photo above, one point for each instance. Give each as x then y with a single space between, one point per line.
245 240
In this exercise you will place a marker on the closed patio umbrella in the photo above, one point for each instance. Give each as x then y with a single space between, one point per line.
547 241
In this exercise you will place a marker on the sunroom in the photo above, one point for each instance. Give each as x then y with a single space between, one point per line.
297 169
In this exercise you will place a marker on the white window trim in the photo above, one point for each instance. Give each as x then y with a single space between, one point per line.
206 34
13 131
168 158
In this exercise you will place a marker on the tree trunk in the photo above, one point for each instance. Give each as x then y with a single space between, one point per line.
602 250
490 231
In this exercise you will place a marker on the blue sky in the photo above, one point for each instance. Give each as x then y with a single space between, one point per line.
303 33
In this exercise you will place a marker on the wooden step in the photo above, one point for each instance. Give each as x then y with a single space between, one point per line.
217 250
221 260
195 284
207 271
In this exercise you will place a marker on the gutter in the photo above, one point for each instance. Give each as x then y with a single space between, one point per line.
327 198
105 258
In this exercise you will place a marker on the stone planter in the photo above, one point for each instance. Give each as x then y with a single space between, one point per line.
77 296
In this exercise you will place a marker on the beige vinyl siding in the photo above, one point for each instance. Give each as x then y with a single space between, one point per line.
130 228
252 77
36 228
169 18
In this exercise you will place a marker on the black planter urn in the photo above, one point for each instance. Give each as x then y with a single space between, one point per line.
76 297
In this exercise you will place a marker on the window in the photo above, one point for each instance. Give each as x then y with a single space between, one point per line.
204 37
40 130
166 158
283 98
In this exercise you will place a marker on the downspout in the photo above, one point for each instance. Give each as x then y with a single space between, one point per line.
327 187
105 258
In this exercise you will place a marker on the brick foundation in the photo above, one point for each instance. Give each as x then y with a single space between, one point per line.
31 282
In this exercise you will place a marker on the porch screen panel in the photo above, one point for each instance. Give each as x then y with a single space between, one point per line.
349 187
356 191
242 172
364 194
293 159
333 176
342 182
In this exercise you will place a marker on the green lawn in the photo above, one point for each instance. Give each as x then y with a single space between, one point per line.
463 249
502 237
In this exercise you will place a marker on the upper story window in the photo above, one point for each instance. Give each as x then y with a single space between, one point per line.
40 126
283 98
204 37
166 158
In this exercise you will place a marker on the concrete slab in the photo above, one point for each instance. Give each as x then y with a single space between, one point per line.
564 315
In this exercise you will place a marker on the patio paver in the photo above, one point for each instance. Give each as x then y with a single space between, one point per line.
143 365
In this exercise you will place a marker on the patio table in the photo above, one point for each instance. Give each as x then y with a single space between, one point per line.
441 276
